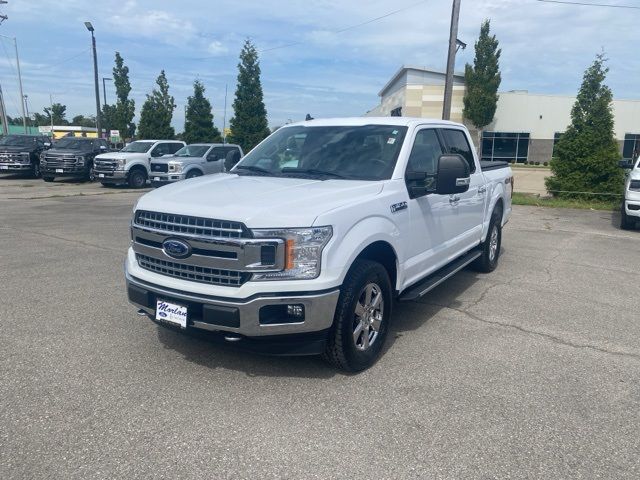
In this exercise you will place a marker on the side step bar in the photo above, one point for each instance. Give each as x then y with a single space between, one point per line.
432 281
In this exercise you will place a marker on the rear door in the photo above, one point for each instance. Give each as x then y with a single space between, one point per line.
468 207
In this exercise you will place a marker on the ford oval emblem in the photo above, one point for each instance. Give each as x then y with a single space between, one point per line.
176 248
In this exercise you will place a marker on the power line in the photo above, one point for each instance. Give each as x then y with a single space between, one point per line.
62 61
584 4
350 27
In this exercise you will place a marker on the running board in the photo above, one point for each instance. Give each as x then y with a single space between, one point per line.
432 281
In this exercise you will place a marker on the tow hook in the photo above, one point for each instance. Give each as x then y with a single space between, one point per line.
232 338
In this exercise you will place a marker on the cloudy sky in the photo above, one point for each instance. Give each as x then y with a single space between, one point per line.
327 72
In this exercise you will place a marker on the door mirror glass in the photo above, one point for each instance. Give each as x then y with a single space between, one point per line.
103 148
453 175
47 144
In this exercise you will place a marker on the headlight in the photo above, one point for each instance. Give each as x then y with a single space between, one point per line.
303 252
175 167
121 162
42 157
634 185
80 160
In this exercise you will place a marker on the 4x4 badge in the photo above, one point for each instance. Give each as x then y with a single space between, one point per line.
396 207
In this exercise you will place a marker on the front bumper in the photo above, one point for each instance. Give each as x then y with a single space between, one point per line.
244 317
111 176
632 208
67 171
159 179
15 167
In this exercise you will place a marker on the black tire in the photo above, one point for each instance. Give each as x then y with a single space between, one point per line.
36 173
89 175
194 174
346 348
488 261
625 222
48 179
137 178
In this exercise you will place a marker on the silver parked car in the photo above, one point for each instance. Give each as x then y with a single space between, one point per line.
193 161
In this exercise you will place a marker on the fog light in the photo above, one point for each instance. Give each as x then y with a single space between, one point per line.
280 314
295 311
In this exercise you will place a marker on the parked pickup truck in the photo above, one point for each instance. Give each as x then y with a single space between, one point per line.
130 165
630 214
193 161
71 157
21 153
308 258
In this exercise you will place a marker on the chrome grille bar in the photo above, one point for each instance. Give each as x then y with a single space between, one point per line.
191 272
177 224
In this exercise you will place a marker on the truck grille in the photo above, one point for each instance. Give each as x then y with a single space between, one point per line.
60 161
105 165
159 167
177 224
194 273
14 157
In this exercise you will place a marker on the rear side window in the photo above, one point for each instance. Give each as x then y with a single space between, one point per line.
456 142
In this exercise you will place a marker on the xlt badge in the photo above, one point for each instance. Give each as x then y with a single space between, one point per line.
398 206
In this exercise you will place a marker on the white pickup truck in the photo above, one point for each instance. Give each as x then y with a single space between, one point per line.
306 244
630 214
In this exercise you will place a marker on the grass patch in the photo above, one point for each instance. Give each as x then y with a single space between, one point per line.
538 201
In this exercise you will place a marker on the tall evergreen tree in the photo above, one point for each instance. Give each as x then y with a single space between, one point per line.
125 107
198 124
482 80
157 111
587 155
249 123
59 112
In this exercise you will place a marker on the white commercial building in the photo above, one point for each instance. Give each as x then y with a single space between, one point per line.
525 127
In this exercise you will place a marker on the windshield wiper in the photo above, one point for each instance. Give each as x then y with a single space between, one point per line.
312 171
252 168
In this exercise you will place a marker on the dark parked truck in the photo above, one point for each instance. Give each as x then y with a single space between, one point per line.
71 157
21 153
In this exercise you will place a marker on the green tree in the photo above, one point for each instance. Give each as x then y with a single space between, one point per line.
82 121
249 123
482 80
58 112
198 124
587 155
125 107
157 111
40 119
109 117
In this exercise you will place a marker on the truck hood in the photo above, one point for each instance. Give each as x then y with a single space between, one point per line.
118 155
65 151
258 202
174 159
15 149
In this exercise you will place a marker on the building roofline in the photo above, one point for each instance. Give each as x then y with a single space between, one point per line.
404 68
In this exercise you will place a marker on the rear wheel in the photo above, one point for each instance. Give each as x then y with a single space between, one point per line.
48 179
137 178
625 222
488 261
361 319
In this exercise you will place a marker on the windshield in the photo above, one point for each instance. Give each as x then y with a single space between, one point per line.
138 147
192 151
17 141
74 144
367 152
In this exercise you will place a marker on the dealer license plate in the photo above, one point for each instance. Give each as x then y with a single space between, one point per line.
4 167
101 175
59 170
171 313
156 179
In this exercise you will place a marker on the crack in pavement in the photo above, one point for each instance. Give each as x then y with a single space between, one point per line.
70 240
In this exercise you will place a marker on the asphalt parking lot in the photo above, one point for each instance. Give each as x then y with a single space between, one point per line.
532 371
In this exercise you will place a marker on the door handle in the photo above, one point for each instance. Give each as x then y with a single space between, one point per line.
482 190
454 199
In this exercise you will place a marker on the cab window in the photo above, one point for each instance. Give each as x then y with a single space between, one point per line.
424 156
457 143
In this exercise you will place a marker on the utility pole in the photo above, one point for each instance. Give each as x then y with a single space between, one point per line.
3 114
224 116
15 45
95 77
26 107
451 60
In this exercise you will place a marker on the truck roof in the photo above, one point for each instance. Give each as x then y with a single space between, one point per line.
360 121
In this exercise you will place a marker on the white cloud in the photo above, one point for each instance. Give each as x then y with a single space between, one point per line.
216 48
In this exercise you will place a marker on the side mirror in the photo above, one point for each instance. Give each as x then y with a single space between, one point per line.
103 148
453 175
626 163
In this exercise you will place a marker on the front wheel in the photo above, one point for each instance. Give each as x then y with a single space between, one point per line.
137 178
488 261
625 221
48 179
362 318
193 174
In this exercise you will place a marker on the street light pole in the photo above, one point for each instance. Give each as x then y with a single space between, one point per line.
451 60
26 107
95 77
15 45
104 89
